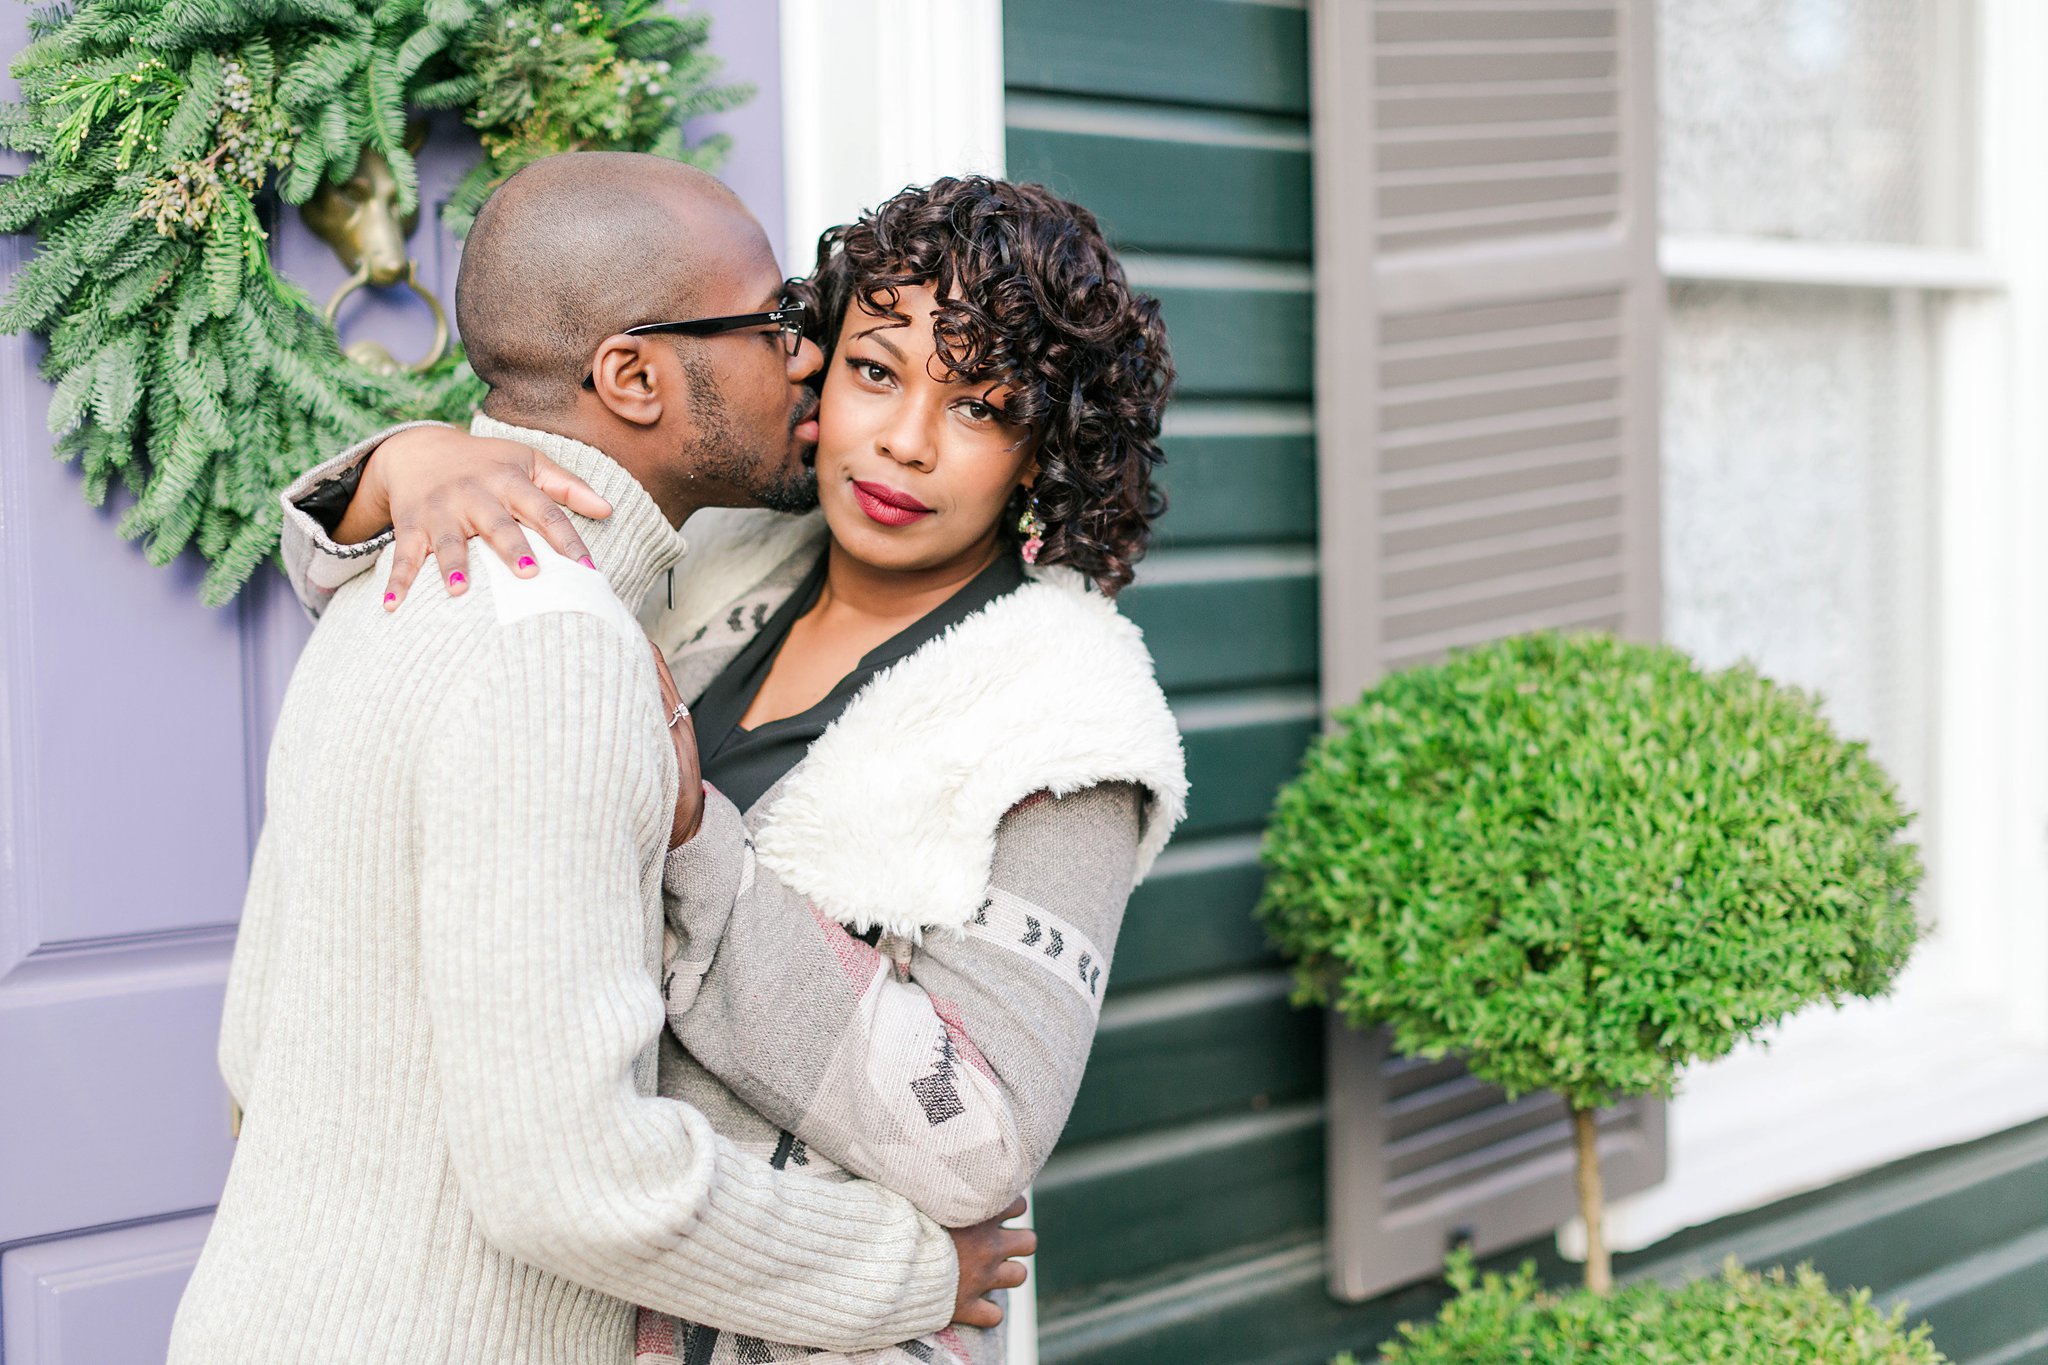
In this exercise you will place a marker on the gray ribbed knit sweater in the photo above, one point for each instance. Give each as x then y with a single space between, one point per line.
443 1008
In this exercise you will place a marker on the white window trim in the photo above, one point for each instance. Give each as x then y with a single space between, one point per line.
877 95
1960 1050
1855 265
880 94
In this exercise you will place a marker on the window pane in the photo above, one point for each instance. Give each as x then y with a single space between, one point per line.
1796 500
1820 120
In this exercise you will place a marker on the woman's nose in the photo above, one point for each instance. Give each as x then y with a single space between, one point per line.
908 439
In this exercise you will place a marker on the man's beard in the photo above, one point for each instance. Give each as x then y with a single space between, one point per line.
782 489
792 490
722 455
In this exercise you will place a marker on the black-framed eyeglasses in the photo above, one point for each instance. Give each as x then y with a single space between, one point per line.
787 318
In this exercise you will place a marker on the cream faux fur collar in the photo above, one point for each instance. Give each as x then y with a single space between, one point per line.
891 819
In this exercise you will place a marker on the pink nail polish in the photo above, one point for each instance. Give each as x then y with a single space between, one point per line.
526 561
456 578
389 598
585 562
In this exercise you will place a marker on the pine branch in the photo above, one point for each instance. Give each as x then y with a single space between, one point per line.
183 137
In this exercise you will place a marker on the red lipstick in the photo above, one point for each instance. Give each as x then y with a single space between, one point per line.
886 505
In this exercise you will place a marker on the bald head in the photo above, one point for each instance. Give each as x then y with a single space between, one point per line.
582 245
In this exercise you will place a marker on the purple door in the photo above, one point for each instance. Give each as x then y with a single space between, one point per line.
134 725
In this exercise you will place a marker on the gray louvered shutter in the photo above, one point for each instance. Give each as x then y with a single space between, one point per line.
1487 318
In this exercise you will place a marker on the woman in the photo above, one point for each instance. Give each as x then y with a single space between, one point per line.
939 755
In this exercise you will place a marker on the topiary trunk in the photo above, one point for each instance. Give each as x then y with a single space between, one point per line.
1599 1269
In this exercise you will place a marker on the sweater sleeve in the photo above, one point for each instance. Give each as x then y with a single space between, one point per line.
249 972
946 1070
543 808
314 562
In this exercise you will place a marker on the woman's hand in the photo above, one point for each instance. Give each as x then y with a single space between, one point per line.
436 487
689 773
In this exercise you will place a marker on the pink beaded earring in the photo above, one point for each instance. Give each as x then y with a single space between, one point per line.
1032 527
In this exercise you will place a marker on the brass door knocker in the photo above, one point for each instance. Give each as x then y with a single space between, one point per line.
359 218
373 355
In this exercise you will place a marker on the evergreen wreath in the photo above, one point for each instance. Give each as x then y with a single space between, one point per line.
164 132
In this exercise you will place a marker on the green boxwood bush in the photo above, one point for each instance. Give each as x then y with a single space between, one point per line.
1580 864
1737 1318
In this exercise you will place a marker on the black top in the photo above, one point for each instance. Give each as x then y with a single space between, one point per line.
744 764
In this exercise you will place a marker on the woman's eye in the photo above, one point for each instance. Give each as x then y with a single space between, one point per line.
869 370
977 411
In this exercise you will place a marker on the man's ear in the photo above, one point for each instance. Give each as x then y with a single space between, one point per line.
624 376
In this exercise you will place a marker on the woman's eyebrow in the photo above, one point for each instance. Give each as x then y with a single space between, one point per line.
880 340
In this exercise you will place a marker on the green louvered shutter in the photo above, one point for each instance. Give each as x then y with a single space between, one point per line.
1198 1135
1489 313
1495 442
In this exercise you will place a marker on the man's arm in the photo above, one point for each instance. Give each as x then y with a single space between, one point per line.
948 1077
543 796
248 985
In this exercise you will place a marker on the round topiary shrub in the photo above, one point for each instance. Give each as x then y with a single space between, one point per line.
1580 863
1737 1318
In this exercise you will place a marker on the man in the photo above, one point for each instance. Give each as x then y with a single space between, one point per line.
442 1014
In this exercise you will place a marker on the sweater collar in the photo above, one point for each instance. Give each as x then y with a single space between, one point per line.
635 543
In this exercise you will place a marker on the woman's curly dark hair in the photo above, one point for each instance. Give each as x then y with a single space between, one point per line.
1031 297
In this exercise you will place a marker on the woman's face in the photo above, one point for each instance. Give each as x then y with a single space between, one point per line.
914 471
